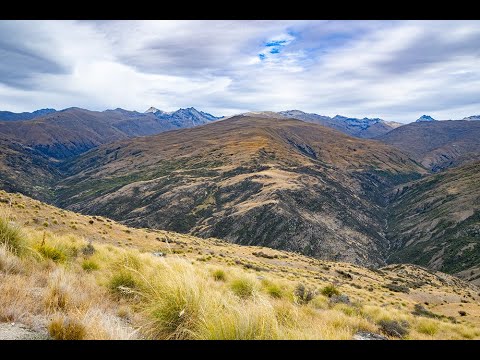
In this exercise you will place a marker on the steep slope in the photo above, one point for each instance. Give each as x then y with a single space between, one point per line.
437 144
26 170
73 131
362 128
285 184
11 116
90 277
435 221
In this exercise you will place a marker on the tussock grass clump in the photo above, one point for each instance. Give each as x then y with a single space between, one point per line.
428 327
175 302
66 329
9 263
128 260
123 283
243 287
330 290
89 265
12 236
272 289
60 291
52 252
219 275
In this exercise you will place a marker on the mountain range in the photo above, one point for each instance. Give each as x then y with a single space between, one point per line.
11 116
66 133
364 191
437 145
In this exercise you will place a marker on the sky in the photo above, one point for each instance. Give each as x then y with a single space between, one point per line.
394 70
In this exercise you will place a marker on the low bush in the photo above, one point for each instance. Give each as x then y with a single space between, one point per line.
303 295
394 328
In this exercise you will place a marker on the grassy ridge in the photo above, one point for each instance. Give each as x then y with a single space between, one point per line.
63 284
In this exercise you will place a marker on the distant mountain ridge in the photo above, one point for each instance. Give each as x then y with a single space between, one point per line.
362 128
425 118
188 117
11 116
473 117
72 131
437 145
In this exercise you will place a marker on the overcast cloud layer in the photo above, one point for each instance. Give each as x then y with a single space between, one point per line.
395 70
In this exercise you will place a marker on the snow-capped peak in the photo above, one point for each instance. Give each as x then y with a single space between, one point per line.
152 109
425 118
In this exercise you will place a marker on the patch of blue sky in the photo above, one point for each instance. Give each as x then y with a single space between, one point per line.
274 51
261 56
277 43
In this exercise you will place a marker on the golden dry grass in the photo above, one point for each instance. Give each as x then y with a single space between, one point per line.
123 291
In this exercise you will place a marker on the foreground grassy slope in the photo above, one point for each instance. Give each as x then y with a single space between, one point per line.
285 184
435 222
81 277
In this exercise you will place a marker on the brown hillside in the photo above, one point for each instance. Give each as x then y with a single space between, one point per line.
280 183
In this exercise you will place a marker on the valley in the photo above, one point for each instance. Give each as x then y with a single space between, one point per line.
261 179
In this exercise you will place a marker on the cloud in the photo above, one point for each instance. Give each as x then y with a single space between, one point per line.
396 70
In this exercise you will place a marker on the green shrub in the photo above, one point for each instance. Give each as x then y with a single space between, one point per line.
219 275
89 265
330 290
61 329
242 287
51 252
12 236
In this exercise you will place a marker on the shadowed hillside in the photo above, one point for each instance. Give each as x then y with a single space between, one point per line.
435 222
437 144
280 183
